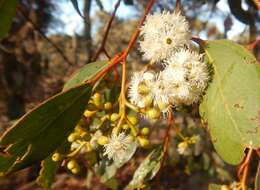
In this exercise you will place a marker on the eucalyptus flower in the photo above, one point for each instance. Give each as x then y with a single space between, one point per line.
163 33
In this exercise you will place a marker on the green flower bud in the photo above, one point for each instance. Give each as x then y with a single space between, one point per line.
145 131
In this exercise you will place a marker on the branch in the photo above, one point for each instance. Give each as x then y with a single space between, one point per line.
122 56
45 37
103 43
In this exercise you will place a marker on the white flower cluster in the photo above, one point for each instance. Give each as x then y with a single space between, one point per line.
184 77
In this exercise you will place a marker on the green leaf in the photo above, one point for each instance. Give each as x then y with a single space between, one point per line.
147 169
215 187
86 73
47 173
231 105
38 133
257 178
7 12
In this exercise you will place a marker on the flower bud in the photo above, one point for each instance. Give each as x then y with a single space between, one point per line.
145 131
153 113
72 137
56 157
102 140
143 142
97 99
75 170
125 126
108 106
89 113
72 164
114 117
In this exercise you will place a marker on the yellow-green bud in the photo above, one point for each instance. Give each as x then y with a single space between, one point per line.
145 131
97 99
153 113
96 96
72 164
108 106
143 142
143 89
102 140
75 170
72 137
89 113
56 157
114 117
133 119
125 126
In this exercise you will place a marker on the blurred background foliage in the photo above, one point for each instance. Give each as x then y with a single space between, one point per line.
39 55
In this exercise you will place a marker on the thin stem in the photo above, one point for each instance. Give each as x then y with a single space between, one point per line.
245 167
103 43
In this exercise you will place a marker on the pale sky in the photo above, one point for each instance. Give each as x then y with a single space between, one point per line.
74 23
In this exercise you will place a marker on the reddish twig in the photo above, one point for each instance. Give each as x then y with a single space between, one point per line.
252 45
166 144
122 56
242 172
167 138
103 43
